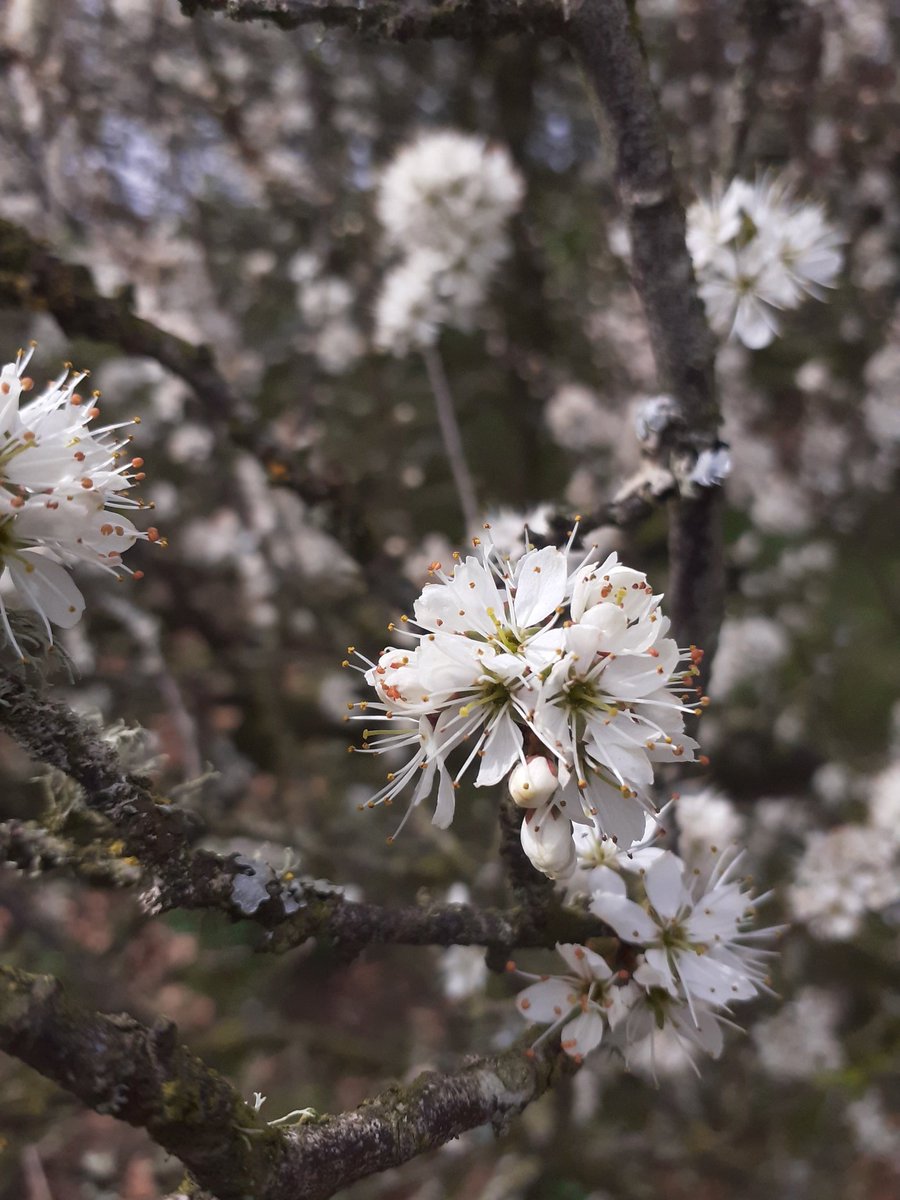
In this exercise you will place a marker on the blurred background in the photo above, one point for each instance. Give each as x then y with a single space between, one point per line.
223 178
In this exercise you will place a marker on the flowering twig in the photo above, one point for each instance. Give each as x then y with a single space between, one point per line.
451 435
144 1076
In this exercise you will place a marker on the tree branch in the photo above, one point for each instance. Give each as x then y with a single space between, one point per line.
396 20
605 38
144 1076
157 839
31 277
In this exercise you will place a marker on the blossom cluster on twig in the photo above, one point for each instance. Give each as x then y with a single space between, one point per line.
63 486
683 956
561 681
444 202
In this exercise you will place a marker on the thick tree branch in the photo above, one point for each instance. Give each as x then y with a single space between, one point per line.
397 20
605 38
157 839
144 1076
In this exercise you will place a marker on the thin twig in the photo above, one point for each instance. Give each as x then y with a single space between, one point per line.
396 20
451 436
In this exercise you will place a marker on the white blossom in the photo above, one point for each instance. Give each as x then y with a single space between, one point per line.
692 931
449 191
706 822
599 859
844 873
874 1130
758 250
749 648
60 482
801 1041
581 1004
444 202
528 667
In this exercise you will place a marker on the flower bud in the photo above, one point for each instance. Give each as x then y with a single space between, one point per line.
547 840
396 679
532 783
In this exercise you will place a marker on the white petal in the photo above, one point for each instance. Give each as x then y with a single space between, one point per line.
446 802
548 1000
47 588
584 962
501 751
664 885
583 1035
540 585
629 921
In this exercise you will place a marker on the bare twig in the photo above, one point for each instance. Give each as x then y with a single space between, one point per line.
451 436
396 20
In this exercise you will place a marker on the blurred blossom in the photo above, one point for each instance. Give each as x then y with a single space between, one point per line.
843 874
749 649
444 202
757 250
706 821
579 421
874 1130
801 1041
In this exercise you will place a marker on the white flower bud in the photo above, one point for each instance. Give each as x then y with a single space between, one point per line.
547 840
396 679
532 783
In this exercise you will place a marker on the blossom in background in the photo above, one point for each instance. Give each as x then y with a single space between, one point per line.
844 873
561 681
706 822
801 1040
443 202
757 250
62 486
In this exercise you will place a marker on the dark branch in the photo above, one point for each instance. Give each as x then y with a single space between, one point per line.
397 20
144 1076
605 38
31 277
157 840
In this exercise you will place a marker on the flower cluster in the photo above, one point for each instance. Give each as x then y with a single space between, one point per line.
561 681
62 485
444 202
757 250
680 962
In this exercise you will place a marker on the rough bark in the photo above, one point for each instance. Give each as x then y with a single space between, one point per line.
396 20
605 38
145 1076
156 839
